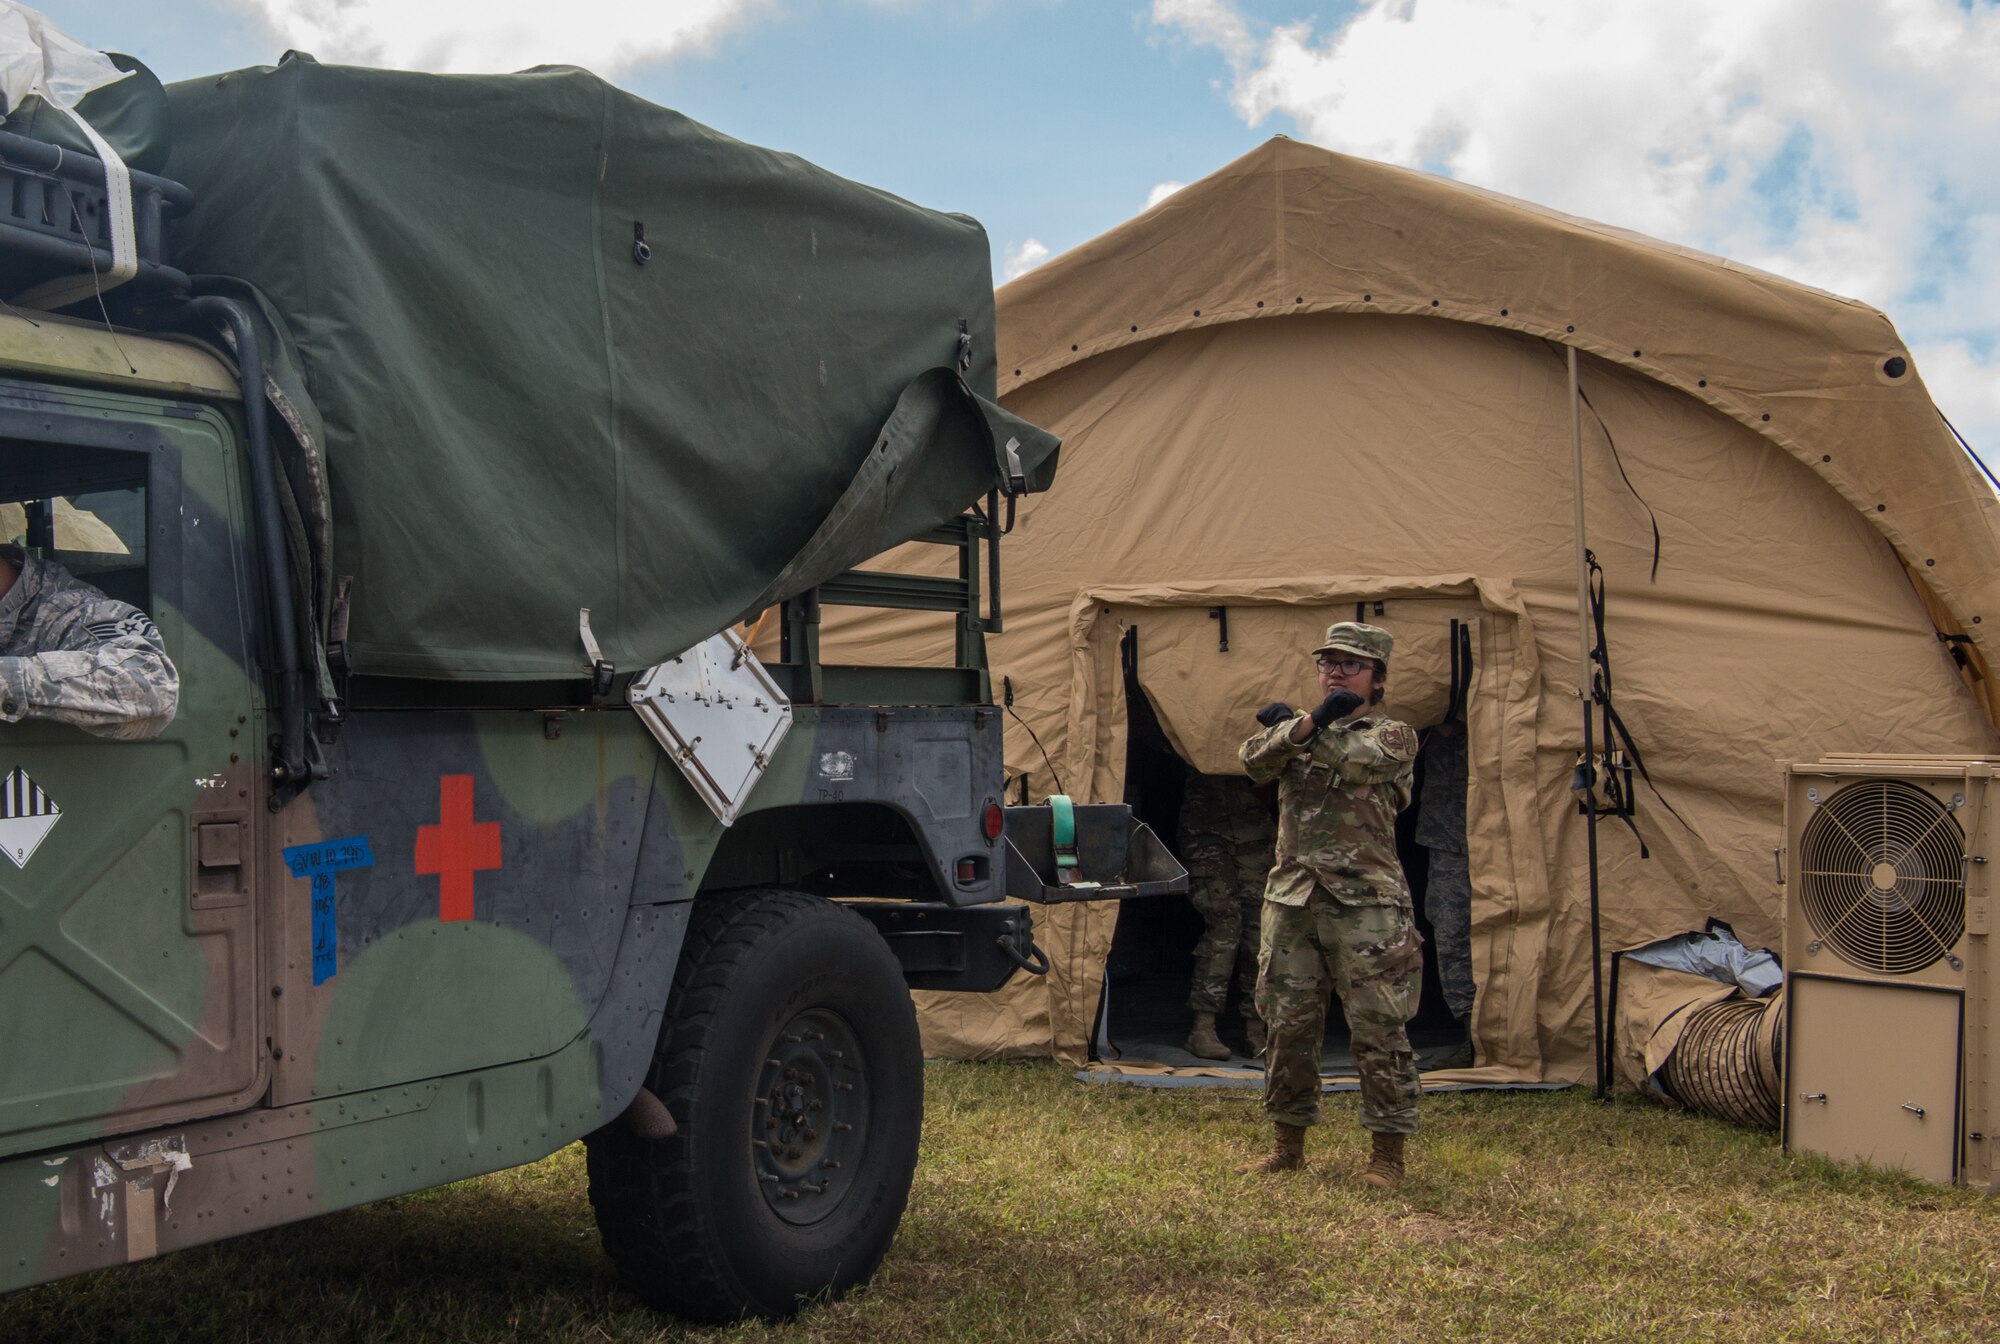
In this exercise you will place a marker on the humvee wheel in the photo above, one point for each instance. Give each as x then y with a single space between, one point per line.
790 1062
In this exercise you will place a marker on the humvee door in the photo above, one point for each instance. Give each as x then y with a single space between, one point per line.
127 925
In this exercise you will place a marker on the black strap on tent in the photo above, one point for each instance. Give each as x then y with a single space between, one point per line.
1461 672
1617 780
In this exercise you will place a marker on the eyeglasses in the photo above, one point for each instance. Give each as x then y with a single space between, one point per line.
1346 667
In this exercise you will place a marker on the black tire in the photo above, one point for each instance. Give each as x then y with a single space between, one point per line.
790 1062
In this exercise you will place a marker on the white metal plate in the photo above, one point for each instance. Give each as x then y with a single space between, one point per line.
719 716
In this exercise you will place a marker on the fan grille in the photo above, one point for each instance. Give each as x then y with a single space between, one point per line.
1882 876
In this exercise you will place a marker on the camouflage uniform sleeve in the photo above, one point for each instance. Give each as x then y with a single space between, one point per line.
1264 755
102 668
1384 753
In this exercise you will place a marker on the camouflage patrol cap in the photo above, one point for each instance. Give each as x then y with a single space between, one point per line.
1363 641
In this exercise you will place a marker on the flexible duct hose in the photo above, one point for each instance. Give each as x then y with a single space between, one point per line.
1729 1061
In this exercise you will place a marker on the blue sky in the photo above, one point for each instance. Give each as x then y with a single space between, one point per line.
1851 144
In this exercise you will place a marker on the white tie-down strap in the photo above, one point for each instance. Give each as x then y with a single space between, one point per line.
39 59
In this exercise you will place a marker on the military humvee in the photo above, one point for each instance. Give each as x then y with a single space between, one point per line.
448 861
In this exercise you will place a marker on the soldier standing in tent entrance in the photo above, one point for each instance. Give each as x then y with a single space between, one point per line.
1337 912
1225 841
1448 894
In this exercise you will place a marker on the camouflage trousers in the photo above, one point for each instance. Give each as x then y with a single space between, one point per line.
1448 906
1226 884
1372 956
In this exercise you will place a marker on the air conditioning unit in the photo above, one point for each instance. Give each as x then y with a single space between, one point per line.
1888 973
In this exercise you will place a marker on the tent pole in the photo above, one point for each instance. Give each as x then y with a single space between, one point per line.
1589 747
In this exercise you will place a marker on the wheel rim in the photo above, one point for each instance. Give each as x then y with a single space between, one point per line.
809 1120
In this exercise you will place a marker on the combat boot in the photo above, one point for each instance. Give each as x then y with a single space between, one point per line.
1385 1166
1253 1031
1288 1152
1202 1042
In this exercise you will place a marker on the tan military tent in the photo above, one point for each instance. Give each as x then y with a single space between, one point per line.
1309 386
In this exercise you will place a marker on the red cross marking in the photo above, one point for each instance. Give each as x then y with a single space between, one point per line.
457 847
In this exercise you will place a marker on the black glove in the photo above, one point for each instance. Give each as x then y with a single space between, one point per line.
1336 706
1275 713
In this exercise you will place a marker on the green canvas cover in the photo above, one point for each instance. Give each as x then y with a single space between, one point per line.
500 415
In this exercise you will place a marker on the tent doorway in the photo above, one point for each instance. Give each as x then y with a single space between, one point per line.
1143 1015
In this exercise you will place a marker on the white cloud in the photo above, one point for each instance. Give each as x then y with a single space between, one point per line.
1161 191
1213 23
1020 258
1850 144
609 37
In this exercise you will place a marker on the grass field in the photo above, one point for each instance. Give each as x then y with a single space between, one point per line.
1045 1209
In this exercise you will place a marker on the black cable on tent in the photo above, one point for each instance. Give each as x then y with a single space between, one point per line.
1007 702
1612 443
1968 450
1616 457
1620 791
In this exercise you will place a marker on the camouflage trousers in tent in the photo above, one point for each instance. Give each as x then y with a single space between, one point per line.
1226 884
1372 956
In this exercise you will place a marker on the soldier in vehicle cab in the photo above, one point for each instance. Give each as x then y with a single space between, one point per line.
70 653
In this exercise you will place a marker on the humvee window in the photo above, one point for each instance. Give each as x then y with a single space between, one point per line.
83 509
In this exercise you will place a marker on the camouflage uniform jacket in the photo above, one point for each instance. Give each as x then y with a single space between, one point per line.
1338 796
68 652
